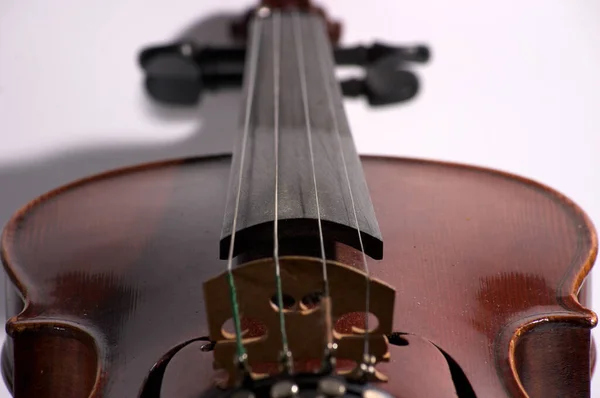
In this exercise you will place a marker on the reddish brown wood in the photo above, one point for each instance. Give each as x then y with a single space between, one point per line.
486 266
64 364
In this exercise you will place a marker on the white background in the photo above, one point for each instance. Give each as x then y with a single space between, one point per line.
513 85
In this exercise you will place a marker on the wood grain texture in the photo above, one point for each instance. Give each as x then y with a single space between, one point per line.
323 118
486 266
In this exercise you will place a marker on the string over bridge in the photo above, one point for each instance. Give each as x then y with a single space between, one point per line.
306 329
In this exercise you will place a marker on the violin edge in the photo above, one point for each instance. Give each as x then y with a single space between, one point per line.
574 284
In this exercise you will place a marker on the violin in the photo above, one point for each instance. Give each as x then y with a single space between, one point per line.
296 267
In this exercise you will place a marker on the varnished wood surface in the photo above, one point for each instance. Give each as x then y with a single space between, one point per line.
481 263
310 106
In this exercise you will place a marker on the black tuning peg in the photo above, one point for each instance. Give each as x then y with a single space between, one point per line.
179 73
364 56
172 74
384 83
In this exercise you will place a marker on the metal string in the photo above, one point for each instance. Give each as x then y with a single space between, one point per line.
252 66
286 354
327 66
302 71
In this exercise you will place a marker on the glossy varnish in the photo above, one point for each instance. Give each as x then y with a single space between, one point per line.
486 266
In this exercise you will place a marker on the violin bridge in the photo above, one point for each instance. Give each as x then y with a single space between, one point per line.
305 321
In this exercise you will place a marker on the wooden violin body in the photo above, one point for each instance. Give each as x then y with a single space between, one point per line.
342 276
106 277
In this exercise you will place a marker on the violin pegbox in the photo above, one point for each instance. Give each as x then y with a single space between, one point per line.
305 320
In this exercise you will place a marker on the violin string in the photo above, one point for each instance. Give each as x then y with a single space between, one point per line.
326 67
252 67
302 71
276 78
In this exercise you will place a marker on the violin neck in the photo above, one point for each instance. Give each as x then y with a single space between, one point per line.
294 134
